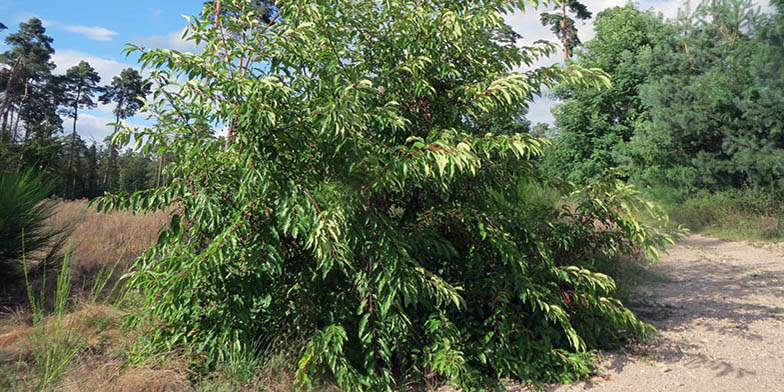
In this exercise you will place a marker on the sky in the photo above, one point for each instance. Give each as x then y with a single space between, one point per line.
97 32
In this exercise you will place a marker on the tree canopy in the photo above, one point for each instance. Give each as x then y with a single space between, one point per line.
563 25
691 105
346 182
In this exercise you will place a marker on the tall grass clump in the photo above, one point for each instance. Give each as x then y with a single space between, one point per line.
56 343
748 213
361 211
24 211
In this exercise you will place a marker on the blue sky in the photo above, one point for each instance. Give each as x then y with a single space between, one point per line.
98 31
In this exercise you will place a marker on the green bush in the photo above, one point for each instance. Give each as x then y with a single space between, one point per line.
360 211
751 213
24 210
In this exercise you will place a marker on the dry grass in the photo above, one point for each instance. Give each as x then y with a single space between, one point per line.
105 344
100 239
109 241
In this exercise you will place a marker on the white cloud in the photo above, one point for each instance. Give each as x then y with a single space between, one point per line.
91 32
107 68
96 33
539 111
92 127
172 40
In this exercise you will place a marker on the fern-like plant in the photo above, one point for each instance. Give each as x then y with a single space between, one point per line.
24 210
337 183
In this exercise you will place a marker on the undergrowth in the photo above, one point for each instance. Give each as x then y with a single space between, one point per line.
741 214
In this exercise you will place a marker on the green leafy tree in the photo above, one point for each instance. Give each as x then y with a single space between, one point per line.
361 202
595 126
135 172
542 130
563 25
762 155
127 92
81 86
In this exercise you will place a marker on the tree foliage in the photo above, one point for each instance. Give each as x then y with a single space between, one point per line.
595 126
364 204
26 67
127 92
692 102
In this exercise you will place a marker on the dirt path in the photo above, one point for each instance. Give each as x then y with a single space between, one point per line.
719 306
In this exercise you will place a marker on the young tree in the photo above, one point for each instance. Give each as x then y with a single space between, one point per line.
28 58
81 86
127 91
563 25
363 203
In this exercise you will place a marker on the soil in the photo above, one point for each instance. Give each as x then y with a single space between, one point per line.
719 309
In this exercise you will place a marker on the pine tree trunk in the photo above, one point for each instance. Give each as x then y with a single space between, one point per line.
112 155
563 30
21 110
93 180
12 116
7 102
3 135
16 124
73 145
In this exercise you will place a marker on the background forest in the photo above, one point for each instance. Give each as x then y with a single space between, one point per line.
693 116
37 106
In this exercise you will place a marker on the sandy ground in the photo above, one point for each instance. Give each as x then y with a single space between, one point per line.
719 307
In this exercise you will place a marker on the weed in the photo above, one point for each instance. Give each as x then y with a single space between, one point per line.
55 343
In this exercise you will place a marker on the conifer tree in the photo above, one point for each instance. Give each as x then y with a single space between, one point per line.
563 25
28 58
81 86
127 92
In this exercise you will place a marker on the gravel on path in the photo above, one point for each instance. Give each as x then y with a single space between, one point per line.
720 314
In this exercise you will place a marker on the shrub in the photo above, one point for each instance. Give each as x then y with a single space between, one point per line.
359 205
751 213
24 211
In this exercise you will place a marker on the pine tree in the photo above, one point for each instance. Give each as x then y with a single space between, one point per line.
563 25
28 59
127 91
81 86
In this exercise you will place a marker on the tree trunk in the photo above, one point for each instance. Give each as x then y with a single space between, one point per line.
160 172
21 110
16 124
563 30
3 135
73 145
112 154
7 101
